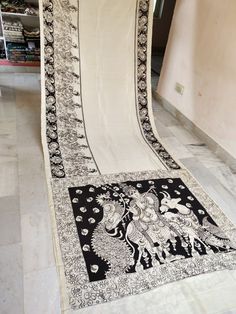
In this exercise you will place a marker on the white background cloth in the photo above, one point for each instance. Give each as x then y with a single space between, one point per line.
107 47
107 32
107 68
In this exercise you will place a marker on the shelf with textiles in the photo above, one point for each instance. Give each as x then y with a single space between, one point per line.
19 33
3 48
18 14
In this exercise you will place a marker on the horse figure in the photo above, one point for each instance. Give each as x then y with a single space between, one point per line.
148 228
187 224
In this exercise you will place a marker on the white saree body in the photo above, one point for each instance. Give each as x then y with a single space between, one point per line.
127 218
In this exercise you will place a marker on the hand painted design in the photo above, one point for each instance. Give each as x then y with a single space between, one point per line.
68 147
57 168
142 224
198 237
142 91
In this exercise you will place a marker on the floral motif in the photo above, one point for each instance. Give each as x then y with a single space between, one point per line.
143 115
52 138
68 147
78 283
136 227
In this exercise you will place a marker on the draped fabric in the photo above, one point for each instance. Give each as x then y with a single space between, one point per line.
126 216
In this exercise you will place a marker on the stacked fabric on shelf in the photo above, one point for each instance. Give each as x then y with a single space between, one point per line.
13 31
23 44
18 6
32 35
16 52
32 38
32 54
2 50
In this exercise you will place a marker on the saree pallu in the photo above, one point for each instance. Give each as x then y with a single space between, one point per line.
126 215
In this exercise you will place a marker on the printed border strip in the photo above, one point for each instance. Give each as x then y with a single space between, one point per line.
141 86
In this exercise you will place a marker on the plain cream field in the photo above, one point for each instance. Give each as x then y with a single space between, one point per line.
108 87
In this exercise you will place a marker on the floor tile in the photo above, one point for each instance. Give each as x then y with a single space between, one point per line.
10 224
11 280
7 147
8 177
225 176
37 242
30 134
30 161
42 292
165 117
162 130
8 141
224 199
33 190
176 148
184 136
7 127
199 171
207 158
7 109
28 107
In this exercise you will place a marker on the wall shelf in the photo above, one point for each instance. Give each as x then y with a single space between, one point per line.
28 21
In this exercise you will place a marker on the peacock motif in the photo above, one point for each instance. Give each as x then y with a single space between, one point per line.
115 252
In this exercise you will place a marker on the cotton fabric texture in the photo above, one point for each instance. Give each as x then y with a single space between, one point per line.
127 217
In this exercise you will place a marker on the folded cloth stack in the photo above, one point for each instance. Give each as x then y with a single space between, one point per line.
22 44
13 6
16 52
13 31
18 6
32 54
2 50
32 35
31 11
21 53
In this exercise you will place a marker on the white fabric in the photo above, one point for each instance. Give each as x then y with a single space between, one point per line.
107 31
107 68
107 43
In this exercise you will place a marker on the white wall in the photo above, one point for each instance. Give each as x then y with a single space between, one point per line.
201 55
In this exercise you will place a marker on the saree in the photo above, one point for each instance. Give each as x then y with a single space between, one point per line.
127 217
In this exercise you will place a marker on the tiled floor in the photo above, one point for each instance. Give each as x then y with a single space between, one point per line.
28 279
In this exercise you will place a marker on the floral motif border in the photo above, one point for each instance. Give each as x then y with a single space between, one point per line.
68 146
84 293
56 162
142 90
69 154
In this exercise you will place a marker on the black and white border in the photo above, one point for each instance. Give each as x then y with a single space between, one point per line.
69 150
68 146
71 157
57 168
84 293
141 55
